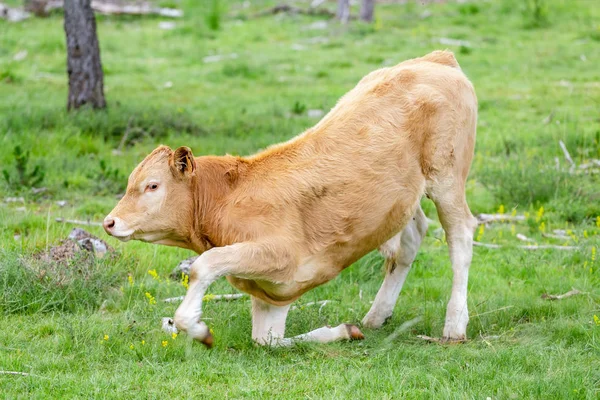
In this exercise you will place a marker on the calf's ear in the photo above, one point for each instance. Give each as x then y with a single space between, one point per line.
182 162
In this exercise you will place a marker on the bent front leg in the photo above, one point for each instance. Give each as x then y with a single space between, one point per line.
247 260
268 328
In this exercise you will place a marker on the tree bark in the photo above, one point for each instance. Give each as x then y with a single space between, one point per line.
86 80
366 10
343 11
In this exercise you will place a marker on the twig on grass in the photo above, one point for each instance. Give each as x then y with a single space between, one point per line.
322 303
572 292
524 238
489 218
429 339
527 247
566 153
209 297
19 373
78 222
286 8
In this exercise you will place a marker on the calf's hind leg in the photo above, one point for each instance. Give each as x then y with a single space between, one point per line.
459 225
268 328
399 252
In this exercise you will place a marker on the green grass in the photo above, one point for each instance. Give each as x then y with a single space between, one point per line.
524 64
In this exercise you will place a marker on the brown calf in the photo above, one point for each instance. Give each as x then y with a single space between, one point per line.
292 217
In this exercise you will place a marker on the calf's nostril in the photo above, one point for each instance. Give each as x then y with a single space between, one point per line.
109 223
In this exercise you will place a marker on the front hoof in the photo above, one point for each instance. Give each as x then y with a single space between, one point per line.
452 340
208 341
353 332
372 322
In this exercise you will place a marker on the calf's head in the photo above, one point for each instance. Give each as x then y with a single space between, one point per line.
158 204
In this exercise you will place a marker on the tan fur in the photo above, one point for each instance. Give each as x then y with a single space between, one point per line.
324 199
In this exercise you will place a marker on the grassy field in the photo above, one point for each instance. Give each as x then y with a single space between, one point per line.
83 332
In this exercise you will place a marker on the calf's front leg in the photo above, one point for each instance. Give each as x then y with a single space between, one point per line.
268 328
246 260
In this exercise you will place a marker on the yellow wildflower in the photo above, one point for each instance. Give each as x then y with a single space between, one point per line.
543 227
480 232
585 234
514 212
164 343
143 342
130 279
593 253
174 335
150 298
598 221
539 214
596 320
501 209
131 346
211 331
185 280
208 297
153 274
106 337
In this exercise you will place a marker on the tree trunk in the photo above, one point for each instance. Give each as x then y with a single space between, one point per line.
83 56
366 10
343 11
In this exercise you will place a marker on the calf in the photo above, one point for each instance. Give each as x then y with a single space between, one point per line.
290 218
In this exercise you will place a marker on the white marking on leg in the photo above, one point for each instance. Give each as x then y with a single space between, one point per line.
457 314
400 251
268 322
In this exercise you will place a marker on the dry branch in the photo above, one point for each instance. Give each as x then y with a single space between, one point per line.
524 238
429 339
78 222
135 9
286 8
321 303
102 7
489 218
209 297
570 293
15 14
566 153
19 373
528 247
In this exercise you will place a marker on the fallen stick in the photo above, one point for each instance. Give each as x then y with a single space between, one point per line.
488 218
15 14
528 247
322 303
591 164
570 293
78 222
286 8
524 238
19 373
135 9
566 153
209 297
429 339
559 237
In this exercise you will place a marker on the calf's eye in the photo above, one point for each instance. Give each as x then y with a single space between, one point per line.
152 187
